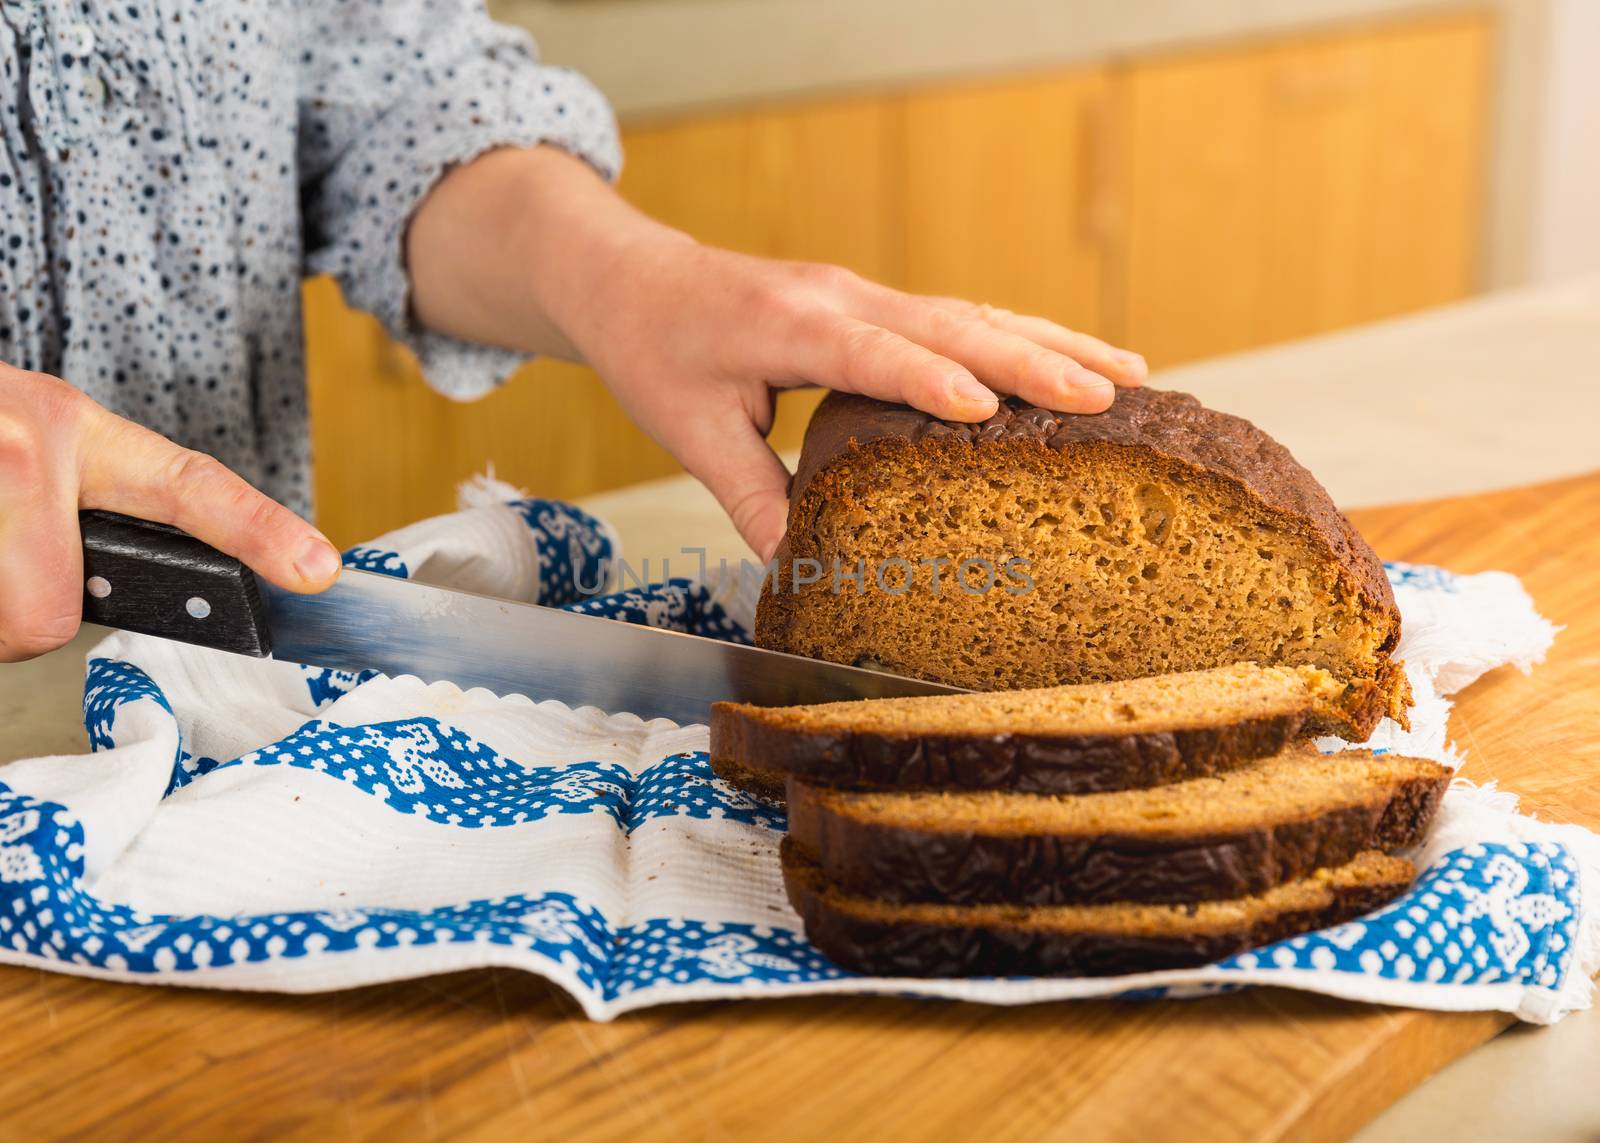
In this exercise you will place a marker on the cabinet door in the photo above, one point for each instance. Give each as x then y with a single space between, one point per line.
1428 110
1007 194
1284 190
1191 278
802 182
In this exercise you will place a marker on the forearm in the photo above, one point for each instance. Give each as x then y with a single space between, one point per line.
515 249
529 249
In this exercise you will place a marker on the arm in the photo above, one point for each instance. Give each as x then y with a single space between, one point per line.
530 250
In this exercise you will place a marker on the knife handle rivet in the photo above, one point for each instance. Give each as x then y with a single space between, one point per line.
197 607
97 586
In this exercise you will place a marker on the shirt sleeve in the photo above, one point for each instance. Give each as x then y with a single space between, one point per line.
392 94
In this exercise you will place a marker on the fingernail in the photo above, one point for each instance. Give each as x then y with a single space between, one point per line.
1132 362
970 389
318 561
768 547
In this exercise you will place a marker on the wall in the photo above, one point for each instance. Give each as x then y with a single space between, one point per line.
1565 203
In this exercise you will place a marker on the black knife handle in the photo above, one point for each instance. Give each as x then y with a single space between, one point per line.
157 580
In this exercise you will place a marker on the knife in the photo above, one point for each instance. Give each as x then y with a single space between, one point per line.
157 580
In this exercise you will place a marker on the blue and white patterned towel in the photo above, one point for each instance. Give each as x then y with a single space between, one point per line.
247 824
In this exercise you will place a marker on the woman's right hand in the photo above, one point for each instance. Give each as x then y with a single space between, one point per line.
59 452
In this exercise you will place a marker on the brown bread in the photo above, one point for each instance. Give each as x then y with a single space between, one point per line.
885 939
1058 740
1159 536
1240 833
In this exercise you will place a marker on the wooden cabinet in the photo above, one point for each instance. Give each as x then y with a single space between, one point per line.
1006 194
1280 191
1184 205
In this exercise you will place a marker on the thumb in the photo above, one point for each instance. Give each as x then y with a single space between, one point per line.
739 468
127 468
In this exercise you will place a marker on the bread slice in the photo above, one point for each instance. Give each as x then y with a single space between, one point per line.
1158 536
885 939
1058 740
1270 821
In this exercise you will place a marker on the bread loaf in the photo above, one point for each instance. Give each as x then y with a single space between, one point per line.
1158 536
887 939
1237 834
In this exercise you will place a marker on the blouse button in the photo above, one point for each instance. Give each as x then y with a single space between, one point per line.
78 39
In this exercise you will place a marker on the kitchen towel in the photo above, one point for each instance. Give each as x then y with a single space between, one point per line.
260 825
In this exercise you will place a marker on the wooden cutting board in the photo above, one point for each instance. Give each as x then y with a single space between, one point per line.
500 1053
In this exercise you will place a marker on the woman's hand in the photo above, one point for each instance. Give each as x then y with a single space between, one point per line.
59 451
695 342
530 249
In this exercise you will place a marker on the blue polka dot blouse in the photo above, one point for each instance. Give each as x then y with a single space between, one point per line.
169 169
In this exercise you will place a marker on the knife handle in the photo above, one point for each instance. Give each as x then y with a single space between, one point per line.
158 580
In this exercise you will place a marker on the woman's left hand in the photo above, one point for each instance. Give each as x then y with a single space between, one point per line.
693 340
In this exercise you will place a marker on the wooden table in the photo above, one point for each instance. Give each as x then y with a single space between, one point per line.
500 1053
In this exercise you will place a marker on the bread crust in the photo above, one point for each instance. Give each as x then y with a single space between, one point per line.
756 755
887 946
1214 447
1197 863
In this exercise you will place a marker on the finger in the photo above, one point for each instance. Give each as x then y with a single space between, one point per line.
129 469
854 356
1124 367
1004 361
739 468
41 557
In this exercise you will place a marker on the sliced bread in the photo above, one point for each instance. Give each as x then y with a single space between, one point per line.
1236 834
1041 548
1058 740
886 939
